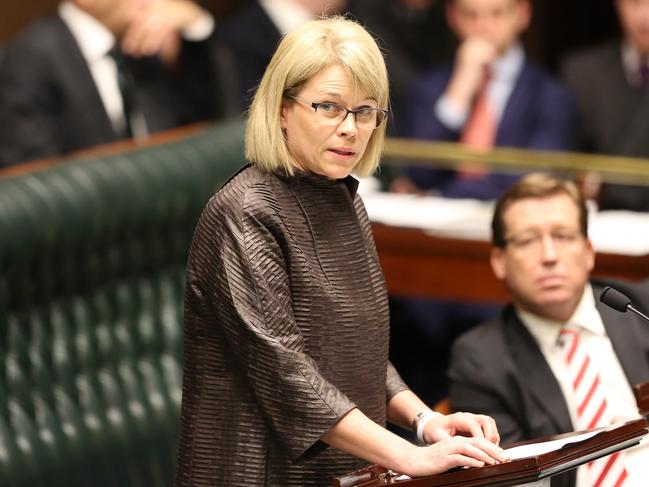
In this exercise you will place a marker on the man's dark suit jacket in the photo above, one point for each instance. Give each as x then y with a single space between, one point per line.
539 114
614 115
252 37
49 104
499 370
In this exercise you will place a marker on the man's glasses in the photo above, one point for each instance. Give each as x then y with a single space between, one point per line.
533 242
333 114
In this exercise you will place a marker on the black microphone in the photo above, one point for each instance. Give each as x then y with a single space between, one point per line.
618 301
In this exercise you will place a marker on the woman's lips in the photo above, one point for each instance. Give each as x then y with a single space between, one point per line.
342 153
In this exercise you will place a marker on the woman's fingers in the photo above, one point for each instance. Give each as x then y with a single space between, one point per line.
477 448
456 452
476 425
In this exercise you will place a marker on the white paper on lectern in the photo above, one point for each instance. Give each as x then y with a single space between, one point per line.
533 449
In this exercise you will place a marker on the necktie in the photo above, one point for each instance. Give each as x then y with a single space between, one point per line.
592 408
126 88
479 131
643 72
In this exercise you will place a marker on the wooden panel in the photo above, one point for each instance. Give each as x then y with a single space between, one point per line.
16 15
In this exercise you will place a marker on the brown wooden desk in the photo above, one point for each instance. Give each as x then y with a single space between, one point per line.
418 264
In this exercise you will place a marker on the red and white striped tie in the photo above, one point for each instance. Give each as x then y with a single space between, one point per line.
592 409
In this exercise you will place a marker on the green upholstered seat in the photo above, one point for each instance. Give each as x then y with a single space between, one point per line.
92 264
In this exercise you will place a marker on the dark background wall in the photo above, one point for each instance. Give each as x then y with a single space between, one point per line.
558 25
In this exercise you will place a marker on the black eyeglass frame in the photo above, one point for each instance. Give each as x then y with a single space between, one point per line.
315 105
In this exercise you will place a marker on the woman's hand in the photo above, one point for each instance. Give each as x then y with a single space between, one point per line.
442 427
452 452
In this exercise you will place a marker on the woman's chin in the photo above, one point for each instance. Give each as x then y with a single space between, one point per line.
338 169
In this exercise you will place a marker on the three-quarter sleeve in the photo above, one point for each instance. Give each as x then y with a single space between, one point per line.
254 302
394 382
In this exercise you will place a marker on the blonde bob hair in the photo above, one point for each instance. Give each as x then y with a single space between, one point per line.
301 55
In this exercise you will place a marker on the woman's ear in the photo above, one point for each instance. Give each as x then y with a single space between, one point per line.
283 113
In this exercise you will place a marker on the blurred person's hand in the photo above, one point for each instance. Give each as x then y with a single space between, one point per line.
472 58
403 185
156 27
590 184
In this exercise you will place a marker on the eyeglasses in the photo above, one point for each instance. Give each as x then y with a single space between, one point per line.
333 114
533 242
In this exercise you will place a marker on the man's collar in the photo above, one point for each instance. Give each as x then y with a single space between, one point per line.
546 331
508 66
93 37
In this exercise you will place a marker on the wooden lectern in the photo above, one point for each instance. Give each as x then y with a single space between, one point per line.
603 442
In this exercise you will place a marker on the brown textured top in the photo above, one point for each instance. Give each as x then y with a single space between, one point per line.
286 330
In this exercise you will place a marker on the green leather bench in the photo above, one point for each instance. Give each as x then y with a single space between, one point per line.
92 256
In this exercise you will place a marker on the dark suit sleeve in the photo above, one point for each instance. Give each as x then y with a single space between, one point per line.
29 105
556 119
207 77
422 123
572 76
479 384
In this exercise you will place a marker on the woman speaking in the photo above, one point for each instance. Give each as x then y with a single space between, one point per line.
286 374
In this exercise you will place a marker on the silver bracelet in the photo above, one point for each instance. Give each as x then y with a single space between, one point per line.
419 423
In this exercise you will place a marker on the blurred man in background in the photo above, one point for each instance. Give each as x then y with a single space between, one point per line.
104 70
492 95
611 84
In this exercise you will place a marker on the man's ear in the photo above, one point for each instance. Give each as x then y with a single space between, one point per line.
524 15
451 18
497 261
590 255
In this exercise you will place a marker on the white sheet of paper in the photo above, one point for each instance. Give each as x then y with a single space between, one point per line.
533 449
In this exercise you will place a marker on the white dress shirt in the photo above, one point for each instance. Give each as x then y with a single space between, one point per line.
631 60
504 74
619 395
94 41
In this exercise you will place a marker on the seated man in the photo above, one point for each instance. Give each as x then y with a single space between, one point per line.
614 111
529 367
491 95
104 70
